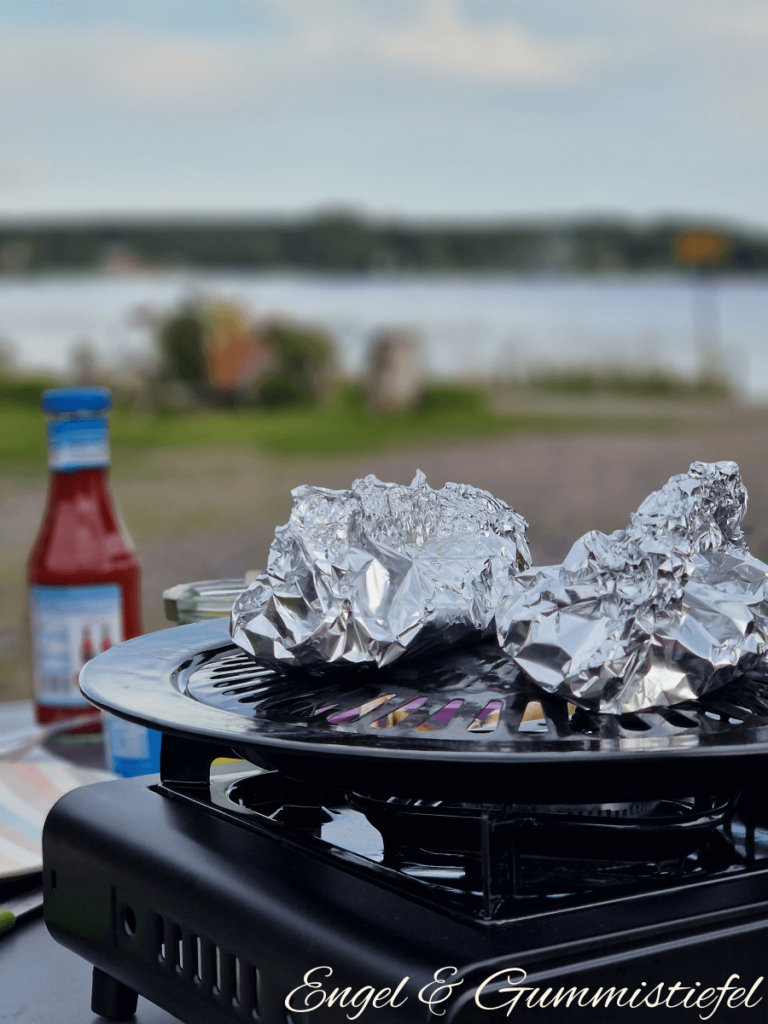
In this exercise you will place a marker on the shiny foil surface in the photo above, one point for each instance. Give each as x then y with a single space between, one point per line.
381 569
658 613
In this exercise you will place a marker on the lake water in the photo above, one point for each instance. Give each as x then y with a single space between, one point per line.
469 326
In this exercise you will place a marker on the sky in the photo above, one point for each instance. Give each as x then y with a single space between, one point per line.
404 108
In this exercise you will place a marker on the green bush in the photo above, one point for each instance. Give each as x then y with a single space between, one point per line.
304 359
181 345
280 389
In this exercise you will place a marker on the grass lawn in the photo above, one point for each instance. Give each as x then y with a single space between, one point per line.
341 428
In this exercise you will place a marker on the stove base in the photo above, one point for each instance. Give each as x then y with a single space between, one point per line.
219 923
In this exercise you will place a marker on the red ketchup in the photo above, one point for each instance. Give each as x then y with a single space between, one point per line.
84 581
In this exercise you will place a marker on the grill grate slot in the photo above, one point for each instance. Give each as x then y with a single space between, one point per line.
488 719
633 723
246 672
252 698
353 714
235 670
441 719
238 680
677 719
400 715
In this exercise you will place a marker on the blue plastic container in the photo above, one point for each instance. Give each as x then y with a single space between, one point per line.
130 749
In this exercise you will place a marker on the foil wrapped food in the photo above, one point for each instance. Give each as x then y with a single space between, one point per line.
658 613
370 573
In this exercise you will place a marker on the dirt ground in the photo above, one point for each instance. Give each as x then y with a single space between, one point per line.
208 513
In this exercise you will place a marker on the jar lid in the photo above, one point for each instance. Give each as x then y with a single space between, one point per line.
58 400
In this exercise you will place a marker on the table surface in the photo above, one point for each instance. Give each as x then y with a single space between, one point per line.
41 982
17 722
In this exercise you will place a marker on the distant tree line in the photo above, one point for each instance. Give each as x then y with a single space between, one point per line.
342 242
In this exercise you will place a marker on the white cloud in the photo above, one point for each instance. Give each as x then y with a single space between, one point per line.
128 67
442 42
175 70
713 55
748 23
113 66
733 47
136 67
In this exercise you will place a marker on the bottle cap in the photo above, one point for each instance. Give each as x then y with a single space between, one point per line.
63 400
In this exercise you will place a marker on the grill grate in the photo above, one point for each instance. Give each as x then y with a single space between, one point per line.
437 723
420 700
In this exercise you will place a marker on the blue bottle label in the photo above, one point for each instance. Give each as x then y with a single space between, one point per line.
71 625
78 442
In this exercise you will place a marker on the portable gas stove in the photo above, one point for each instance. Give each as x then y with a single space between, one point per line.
396 823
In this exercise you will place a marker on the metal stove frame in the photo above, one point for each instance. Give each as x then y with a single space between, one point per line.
216 916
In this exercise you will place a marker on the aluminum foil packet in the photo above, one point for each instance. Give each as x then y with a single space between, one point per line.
370 573
659 613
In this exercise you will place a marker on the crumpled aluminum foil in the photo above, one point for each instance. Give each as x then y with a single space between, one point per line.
369 573
659 613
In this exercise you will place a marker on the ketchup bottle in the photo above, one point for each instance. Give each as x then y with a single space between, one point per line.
83 579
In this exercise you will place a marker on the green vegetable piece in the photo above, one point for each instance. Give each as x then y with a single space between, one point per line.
7 921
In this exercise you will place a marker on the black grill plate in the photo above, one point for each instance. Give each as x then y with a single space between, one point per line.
459 721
